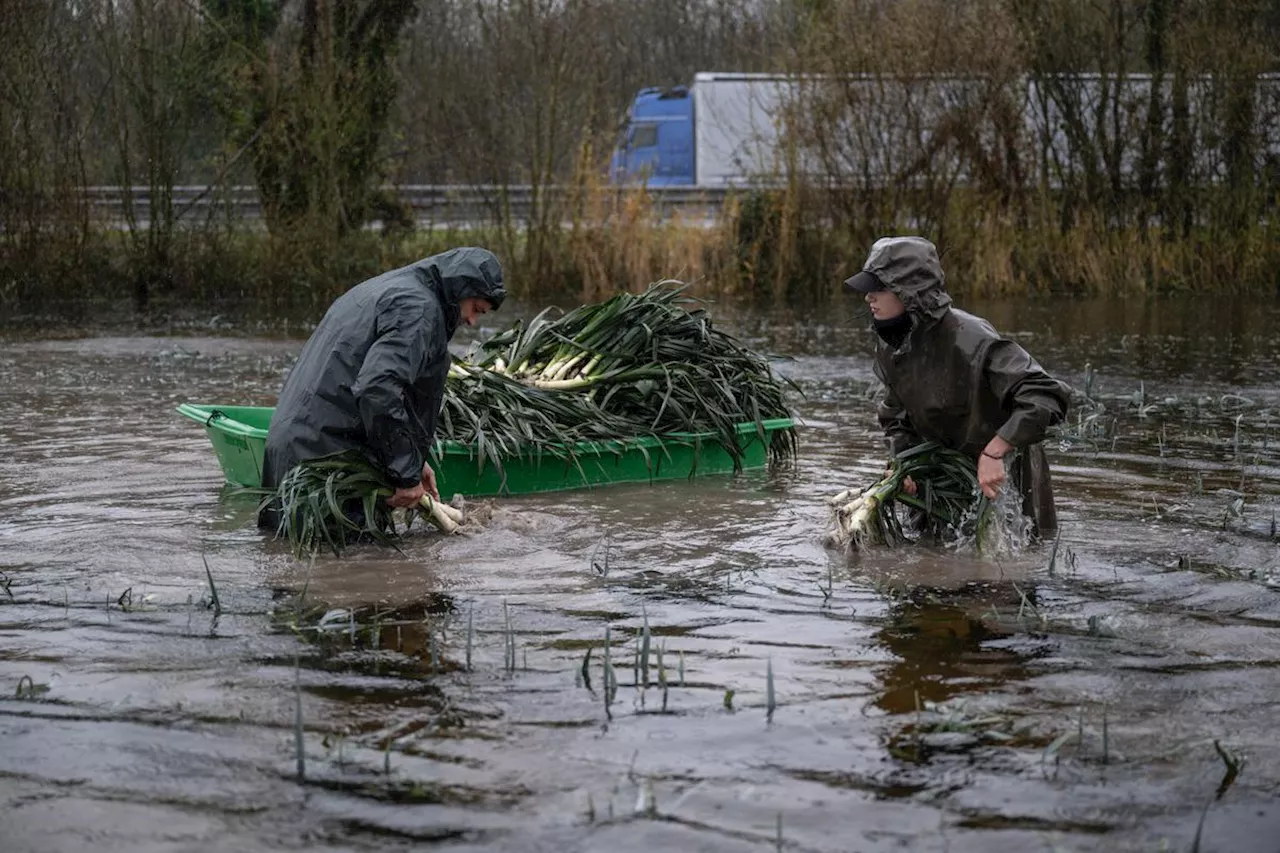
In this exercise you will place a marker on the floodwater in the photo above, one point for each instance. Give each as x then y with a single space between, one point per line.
927 699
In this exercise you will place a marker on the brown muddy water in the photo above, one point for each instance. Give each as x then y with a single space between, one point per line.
927 699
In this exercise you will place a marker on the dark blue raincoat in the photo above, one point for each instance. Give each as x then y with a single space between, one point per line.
372 375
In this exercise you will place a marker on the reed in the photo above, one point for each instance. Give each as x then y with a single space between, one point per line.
216 602
644 650
298 740
608 681
771 702
471 616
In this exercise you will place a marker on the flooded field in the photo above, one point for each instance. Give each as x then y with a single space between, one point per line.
1114 692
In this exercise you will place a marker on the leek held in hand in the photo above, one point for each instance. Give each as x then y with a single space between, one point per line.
947 495
327 501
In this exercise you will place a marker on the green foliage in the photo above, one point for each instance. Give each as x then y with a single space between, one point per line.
324 502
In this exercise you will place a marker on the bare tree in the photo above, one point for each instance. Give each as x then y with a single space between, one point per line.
45 108
309 86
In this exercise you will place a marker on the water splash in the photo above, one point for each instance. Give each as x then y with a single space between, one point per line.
993 529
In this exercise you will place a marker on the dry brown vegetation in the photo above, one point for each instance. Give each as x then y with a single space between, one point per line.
1150 171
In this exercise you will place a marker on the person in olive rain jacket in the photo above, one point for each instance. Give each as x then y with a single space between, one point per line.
951 377
372 375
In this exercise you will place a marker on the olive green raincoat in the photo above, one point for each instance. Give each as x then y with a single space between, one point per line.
956 380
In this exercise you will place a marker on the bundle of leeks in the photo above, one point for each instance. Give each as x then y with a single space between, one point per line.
637 364
946 493
327 501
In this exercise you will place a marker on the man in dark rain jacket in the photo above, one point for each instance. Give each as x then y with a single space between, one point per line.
372 375
952 378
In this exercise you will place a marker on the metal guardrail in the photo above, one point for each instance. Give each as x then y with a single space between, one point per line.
430 202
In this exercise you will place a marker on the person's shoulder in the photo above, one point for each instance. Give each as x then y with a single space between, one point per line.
971 327
405 291
972 322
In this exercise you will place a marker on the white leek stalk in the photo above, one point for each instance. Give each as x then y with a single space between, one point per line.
447 519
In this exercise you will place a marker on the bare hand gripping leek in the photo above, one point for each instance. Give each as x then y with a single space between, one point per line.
327 501
947 495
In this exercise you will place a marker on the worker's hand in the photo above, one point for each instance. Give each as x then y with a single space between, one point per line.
908 485
991 474
407 497
429 481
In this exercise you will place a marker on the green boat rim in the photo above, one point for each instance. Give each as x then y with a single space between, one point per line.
207 415
239 437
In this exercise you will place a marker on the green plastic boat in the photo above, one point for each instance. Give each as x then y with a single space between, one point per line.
239 436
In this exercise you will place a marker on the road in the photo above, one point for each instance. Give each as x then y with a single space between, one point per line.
432 204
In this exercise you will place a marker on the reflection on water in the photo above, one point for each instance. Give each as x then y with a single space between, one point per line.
453 692
942 645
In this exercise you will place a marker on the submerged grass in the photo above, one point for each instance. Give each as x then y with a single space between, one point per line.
1231 431
28 688
770 700
216 602
1233 764
584 672
471 615
509 641
299 744
644 650
1204 813
662 677
608 681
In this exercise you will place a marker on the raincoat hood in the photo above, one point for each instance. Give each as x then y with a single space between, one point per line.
461 273
909 268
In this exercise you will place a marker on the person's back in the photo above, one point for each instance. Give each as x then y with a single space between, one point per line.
318 412
372 375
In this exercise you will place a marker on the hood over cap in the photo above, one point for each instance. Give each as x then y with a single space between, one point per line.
461 273
909 268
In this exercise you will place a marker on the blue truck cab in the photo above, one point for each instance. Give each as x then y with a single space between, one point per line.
655 146
721 131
